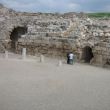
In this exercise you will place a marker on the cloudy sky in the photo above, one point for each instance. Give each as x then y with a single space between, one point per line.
58 5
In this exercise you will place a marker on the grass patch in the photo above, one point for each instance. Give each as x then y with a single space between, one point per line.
99 15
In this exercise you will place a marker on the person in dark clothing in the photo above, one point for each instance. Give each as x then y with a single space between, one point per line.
68 58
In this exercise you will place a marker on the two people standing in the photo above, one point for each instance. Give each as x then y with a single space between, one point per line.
70 58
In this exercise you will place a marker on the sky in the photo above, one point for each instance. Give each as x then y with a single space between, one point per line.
60 6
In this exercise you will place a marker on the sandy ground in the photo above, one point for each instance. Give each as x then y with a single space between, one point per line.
31 85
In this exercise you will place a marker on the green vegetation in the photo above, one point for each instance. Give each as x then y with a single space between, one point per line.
99 15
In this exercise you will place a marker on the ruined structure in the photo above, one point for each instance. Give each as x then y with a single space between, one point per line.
55 34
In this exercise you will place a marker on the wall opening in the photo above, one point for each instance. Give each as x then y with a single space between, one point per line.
15 35
87 54
108 62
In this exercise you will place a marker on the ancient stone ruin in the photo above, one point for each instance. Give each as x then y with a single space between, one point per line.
55 35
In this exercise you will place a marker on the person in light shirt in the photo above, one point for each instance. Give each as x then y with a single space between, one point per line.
71 57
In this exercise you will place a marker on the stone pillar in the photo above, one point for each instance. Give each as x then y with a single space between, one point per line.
41 58
80 52
80 55
24 53
6 54
60 63
99 60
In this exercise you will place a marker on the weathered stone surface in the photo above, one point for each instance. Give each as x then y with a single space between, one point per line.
54 34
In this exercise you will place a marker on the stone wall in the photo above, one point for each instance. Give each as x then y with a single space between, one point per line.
56 34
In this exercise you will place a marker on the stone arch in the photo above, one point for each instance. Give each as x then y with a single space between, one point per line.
87 54
16 33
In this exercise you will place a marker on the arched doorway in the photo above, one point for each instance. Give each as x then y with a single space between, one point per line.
108 62
15 35
87 54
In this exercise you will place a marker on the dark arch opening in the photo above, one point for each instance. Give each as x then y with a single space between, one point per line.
87 54
15 35
108 62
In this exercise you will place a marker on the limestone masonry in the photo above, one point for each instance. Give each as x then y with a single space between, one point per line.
55 35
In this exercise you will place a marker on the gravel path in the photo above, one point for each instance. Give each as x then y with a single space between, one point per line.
30 85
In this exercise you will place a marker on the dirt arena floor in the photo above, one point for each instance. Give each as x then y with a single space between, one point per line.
31 85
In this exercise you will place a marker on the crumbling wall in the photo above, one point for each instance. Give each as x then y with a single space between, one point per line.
56 34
